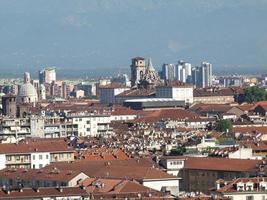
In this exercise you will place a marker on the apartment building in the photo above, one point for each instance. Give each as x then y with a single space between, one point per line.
35 153
241 188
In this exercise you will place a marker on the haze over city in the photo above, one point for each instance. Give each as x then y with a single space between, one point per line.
99 37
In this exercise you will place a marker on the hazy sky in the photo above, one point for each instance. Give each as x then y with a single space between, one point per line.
84 36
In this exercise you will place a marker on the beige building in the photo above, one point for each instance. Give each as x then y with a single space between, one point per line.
35 153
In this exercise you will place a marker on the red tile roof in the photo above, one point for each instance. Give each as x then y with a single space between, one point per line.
37 145
167 114
220 164
29 193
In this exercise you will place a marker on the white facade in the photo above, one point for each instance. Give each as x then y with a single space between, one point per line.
92 125
242 153
177 93
2 161
172 165
40 160
171 185
107 95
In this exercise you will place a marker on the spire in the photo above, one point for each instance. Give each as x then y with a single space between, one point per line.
150 66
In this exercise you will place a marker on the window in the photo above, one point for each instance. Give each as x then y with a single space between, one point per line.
8 158
47 156
17 157
33 157
40 157
249 197
40 166
33 166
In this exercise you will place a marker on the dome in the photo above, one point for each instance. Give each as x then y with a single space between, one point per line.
27 93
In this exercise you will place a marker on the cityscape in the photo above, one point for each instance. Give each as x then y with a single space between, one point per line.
172 130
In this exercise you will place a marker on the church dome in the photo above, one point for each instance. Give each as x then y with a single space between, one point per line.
27 93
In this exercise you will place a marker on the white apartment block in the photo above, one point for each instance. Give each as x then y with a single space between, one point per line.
107 93
181 93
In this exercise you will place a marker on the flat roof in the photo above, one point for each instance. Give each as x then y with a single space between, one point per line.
153 100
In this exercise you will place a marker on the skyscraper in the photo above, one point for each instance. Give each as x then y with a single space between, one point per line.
183 71
47 75
206 74
168 72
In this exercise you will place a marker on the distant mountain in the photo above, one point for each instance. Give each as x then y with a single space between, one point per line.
96 36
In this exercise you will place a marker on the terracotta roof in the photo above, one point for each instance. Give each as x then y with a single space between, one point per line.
114 169
102 154
251 129
246 107
37 145
255 146
203 108
231 186
29 193
38 174
171 114
113 186
120 110
220 164
202 92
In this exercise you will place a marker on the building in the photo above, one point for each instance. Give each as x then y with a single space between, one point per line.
184 72
214 95
198 174
9 105
202 76
137 70
27 93
153 103
88 125
107 93
44 193
206 74
35 178
151 78
47 75
168 72
22 127
35 153
241 188
175 90
150 177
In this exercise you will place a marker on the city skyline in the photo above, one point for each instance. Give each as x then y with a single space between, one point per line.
92 35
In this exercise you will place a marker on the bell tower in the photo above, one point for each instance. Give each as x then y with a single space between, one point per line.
138 70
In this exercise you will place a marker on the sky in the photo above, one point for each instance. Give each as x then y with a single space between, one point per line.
99 37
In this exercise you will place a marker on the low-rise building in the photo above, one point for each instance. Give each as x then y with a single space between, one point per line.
241 188
36 153
35 178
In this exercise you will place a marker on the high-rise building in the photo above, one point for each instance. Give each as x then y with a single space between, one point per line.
47 75
206 74
138 70
183 72
168 72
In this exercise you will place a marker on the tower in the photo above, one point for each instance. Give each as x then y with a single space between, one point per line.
206 74
138 70
9 105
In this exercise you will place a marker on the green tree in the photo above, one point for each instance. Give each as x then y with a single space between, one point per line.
254 94
224 125
177 151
